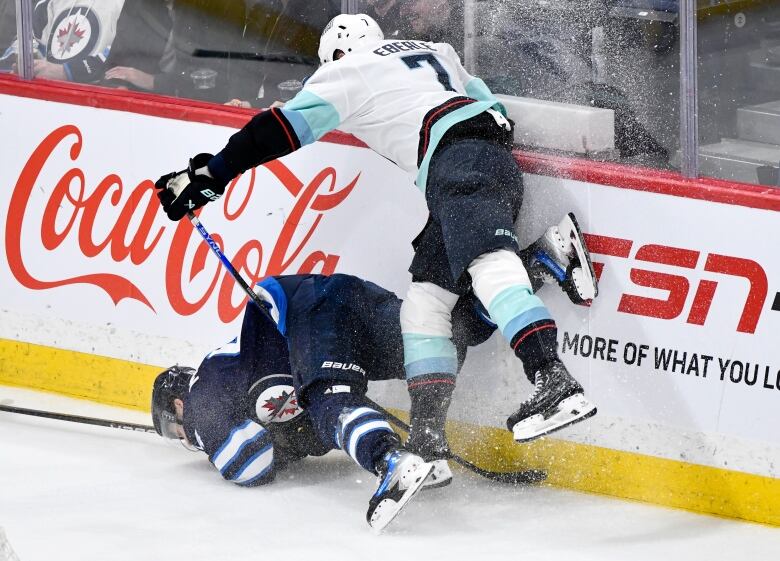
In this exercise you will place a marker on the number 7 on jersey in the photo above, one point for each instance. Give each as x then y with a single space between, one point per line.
416 61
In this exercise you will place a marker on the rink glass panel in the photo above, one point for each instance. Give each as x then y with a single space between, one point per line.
739 90
616 54
7 34
621 55
207 50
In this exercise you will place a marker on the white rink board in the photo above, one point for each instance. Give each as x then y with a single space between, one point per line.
645 409
166 299
177 275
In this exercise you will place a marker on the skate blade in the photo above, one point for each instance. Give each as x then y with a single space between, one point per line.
441 476
569 411
388 509
589 283
583 286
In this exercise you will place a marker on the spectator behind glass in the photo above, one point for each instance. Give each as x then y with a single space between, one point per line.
282 36
7 22
76 39
141 50
440 21
200 25
387 14
8 30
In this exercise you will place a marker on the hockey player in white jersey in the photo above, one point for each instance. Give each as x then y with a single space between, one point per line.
415 104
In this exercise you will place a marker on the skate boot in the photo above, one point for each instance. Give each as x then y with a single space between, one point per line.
557 402
561 256
401 475
428 441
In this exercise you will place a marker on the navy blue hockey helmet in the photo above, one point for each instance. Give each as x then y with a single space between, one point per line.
169 385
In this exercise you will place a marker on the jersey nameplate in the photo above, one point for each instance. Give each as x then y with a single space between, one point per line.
402 46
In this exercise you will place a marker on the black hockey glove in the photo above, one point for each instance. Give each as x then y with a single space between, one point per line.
183 191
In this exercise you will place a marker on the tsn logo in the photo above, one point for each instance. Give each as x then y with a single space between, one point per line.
342 366
679 286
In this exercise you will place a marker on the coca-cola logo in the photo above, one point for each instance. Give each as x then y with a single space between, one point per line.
73 208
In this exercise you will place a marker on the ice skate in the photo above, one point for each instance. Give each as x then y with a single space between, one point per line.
431 445
557 402
441 475
402 474
561 256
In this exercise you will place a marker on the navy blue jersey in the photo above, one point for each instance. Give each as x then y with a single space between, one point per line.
243 406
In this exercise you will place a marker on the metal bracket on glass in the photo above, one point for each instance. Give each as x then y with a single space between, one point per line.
24 39
470 36
351 6
689 91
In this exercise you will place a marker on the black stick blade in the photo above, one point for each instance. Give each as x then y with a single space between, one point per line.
523 477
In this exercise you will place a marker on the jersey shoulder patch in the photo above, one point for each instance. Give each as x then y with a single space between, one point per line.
274 400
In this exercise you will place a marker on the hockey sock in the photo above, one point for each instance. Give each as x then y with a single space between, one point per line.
365 435
426 325
536 345
344 420
502 284
431 395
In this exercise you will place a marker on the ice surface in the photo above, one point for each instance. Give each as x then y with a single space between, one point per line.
70 491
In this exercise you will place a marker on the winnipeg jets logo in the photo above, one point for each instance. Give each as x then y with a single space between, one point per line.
74 34
69 36
285 404
277 404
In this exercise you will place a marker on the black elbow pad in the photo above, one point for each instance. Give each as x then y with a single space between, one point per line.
269 135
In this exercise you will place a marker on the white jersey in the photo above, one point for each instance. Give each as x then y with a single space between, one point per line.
385 94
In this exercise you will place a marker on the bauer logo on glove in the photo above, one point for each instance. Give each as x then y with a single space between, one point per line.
188 190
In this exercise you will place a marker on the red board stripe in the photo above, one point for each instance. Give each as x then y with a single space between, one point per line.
142 103
602 173
650 180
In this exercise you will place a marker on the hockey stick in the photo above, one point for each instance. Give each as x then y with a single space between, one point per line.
514 477
78 419
228 265
523 477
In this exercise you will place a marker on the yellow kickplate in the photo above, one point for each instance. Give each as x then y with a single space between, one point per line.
575 466
626 475
85 376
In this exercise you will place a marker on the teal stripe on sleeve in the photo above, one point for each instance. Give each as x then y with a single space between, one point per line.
524 320
422 347
302 129
514 308
477 89
441 127
431 366
311 116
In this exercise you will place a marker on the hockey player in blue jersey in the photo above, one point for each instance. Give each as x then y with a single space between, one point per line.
415 104
295 386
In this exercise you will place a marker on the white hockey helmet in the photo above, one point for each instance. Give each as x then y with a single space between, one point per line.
347 32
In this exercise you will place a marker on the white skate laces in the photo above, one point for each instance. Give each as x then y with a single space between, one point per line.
557 401
538 383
